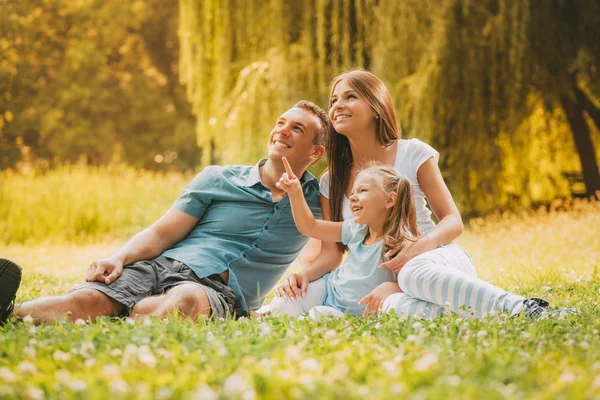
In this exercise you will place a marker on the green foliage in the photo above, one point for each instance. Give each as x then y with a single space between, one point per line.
80 203
380 358
92 80
469 77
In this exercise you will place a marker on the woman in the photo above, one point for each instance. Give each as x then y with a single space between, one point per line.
433 272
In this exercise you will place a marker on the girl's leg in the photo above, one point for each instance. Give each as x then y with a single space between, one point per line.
446 276
315 296
319 312
402 303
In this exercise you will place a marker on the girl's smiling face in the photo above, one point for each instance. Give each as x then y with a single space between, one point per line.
349 111
369 203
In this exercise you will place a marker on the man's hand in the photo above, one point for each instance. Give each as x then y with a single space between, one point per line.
375 299
107 270
288 182
293 287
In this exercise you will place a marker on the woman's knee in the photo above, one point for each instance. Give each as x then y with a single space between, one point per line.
408 271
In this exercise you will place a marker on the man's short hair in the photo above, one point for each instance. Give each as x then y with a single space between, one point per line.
321 134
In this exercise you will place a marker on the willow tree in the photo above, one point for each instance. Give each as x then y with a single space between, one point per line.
469 76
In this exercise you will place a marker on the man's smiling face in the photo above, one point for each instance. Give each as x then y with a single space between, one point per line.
293 136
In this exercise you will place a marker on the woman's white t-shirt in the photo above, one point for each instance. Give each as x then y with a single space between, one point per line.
411 155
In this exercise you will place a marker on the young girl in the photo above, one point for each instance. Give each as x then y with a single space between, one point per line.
384 217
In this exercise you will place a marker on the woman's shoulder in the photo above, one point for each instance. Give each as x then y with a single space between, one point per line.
412 144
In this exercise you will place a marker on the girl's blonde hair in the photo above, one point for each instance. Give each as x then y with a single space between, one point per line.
401 223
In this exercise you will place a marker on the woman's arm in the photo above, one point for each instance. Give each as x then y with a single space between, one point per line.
442 204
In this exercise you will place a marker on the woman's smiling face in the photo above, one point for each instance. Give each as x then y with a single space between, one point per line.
349 111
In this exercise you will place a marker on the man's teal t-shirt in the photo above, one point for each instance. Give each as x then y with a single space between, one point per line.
360 272
241 229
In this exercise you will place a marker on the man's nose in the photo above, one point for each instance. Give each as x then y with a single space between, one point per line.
284 130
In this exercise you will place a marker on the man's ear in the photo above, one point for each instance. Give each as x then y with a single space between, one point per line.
317 152
391 200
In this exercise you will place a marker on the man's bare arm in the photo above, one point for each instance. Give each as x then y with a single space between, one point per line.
168 230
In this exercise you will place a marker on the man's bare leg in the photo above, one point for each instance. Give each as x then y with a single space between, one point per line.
80 304
188 300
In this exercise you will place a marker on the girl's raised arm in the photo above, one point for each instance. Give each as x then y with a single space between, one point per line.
327 231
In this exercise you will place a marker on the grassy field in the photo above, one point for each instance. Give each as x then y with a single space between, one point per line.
551 254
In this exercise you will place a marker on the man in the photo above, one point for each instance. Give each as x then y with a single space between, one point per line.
217 251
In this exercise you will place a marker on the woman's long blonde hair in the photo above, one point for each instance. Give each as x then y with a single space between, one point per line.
401 223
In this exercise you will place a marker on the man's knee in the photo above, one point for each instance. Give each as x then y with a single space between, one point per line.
94 299
190 299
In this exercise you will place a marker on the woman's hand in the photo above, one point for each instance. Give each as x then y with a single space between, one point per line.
293 287
375 299
406 251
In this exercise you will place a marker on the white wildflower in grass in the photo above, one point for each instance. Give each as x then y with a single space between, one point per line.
307 380
32 330
28 319
129 321
27 368
417 326
34 393
567 377
79 321
164 393
204 392
397 388
481 334
222 351
87 349
377 325
391 368
426 362
116 352
210 336
453 380
105 330
30 352
596 383
7 375
339 372
363 391
264 329
147 321
61 356
267 365
62 376
236 387
146 357
330 335
77 386
310 364
119 386
90 362
111 370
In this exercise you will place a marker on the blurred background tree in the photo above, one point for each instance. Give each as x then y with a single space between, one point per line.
507 91
93 81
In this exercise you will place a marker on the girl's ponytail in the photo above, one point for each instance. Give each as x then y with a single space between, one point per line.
402 221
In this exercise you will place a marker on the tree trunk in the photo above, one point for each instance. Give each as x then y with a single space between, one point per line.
574 109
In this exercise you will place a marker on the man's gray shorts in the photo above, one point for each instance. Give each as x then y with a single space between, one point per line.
154 277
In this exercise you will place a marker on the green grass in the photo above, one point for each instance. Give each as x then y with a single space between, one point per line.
83 204
552 254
